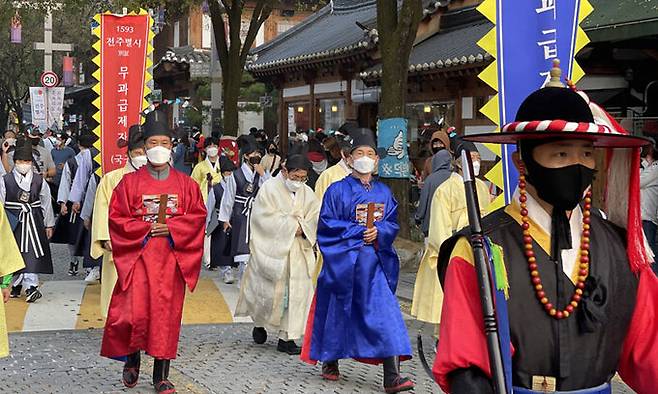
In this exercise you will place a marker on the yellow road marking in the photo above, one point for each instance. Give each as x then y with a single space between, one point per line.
206 305
89 315
15 310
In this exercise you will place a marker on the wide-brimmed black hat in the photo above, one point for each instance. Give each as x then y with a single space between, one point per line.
226 164
298 162
363 137
558 112
23 150
156 125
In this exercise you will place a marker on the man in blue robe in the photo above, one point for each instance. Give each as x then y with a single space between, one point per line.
356 314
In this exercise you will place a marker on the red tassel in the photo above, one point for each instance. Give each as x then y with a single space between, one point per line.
636 251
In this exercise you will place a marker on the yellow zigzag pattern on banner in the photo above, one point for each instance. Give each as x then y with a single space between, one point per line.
97 76
490 76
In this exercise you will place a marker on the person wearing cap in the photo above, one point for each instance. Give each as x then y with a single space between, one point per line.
207 173
69 227
277 288
356 313
318 159
26 198
579 292
220 239
101 246
240 191
156 220
447 214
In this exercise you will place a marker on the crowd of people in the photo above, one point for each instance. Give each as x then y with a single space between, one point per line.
144 230
309 240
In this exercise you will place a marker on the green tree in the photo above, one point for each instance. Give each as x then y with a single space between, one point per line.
397 23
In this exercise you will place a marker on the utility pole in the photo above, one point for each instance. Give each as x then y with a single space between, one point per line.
48 46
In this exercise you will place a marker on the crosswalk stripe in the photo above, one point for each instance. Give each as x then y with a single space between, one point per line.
58 309
231 294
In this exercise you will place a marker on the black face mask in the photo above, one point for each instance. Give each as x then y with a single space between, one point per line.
562 187
253 160
34 141
272 151
437 149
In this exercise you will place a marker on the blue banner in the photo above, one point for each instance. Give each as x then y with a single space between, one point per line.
530 35
392 144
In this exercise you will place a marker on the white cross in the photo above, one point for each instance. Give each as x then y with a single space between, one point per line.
48 46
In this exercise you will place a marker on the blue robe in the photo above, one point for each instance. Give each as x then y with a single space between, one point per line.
356 314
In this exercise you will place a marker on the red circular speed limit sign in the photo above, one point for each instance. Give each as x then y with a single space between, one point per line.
49 79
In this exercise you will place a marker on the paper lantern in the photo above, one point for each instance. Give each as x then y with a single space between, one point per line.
16 29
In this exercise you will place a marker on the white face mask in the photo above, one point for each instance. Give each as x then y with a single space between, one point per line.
476 168
320 166
294 186
212 151
364 165
158 155
23 168
138 161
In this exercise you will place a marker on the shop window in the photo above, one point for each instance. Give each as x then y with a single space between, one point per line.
331 114
299 116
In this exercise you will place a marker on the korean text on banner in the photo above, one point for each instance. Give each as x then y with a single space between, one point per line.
525 52
38 104
392 144
123 58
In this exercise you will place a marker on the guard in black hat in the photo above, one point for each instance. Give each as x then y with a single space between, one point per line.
240 190
575 294
27 201
358 223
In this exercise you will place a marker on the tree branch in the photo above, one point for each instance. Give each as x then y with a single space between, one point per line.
261 13
219 30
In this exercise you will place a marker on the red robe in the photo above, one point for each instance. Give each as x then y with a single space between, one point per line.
147 303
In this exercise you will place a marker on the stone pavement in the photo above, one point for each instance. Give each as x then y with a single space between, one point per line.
212 359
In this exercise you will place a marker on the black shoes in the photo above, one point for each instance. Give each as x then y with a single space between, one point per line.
16 291
161 381
73 268
393 381
260 335
32 294
131 370
289 347
330 371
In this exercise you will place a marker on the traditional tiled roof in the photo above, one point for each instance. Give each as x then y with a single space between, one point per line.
444 50
331 33
187 54
615 20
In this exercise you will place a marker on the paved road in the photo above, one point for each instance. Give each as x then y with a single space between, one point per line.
213 358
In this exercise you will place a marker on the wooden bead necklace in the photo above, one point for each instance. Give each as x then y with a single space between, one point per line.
583 271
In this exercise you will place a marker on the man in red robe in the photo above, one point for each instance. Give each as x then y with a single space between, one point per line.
157 252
